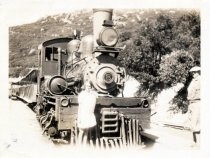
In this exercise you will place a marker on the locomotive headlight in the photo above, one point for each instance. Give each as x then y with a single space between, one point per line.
108 37
64 101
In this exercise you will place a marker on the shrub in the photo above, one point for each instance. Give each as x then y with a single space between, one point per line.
174 68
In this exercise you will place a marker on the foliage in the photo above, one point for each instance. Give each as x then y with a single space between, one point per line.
162 48
174 68
15 72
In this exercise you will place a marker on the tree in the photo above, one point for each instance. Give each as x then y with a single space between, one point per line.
173 38
174 68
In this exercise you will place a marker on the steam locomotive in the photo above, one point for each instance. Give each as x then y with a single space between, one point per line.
65 67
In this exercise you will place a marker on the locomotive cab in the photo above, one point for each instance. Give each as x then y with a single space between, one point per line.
50 54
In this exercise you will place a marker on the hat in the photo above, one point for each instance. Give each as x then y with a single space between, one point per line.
194 69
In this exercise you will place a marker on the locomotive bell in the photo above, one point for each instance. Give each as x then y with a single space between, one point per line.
73 47
86 46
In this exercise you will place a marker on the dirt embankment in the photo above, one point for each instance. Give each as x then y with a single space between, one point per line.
162 112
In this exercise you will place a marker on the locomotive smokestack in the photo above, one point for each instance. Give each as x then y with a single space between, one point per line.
99 15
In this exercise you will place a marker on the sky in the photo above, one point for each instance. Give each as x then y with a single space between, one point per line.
18 12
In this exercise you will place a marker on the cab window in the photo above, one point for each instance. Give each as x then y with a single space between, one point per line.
51 54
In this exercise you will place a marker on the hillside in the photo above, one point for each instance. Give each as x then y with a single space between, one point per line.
24 39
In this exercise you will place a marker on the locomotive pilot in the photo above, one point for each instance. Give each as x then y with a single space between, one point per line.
194 100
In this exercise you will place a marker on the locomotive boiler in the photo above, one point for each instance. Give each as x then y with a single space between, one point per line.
66 66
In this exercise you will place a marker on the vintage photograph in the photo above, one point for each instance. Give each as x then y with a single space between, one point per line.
104 79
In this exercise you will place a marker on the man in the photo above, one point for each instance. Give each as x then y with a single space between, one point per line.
194 103
86 120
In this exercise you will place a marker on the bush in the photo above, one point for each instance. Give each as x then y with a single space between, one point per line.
174 68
